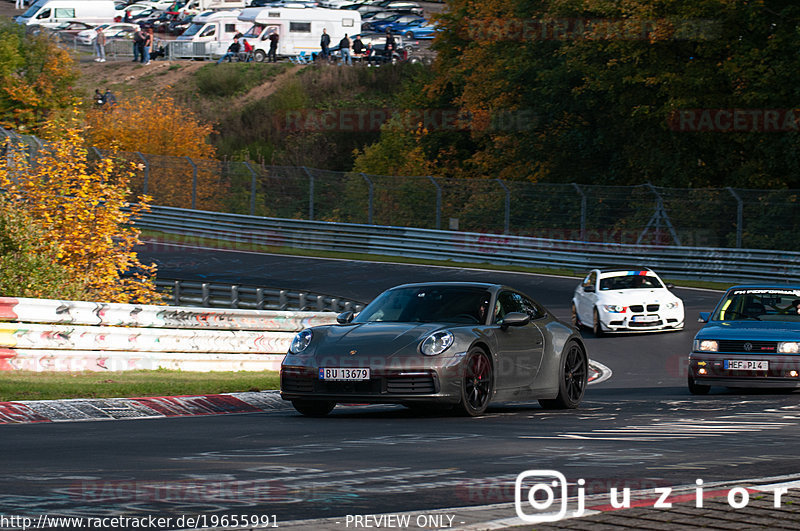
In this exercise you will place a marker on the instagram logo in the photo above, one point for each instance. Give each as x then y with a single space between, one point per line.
550 488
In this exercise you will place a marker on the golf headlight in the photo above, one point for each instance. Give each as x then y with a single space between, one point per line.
706 345
436 343
301 341
789 347
614 308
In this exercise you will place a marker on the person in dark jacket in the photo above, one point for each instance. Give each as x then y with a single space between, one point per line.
344 49
325 43
358 46
272 55
233 51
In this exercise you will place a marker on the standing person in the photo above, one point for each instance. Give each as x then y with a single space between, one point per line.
147 47
138 46
100 45
272 55
344 49
358 46
20 4
391 45
325 42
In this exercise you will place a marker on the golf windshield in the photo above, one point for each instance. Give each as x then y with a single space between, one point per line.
759 305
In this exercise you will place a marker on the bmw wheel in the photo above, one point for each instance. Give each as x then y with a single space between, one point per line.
575 321
597 327
572 380
477 383
314 408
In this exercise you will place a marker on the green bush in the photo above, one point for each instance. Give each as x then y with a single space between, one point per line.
28 260
226 80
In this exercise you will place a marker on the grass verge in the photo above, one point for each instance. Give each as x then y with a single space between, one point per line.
26 385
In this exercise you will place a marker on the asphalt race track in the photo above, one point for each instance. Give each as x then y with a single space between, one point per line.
639 429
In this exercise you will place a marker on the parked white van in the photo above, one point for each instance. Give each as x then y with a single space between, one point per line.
195 7
53 12
214 26
299 29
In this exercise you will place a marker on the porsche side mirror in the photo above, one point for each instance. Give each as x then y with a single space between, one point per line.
515 319
704 316
345 317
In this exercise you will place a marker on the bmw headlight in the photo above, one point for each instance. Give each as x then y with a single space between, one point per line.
301 341
436 343
672 305
614 308
706 345
789 347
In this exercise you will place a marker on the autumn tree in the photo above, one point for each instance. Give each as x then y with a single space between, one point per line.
36 79
167 134
83 208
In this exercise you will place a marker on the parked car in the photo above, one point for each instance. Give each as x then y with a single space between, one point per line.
462 345
117 30
421 30
391 22
626 299
751 339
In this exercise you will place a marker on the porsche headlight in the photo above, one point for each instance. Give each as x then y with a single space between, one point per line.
671 305
614 308
301 341
789 347
436 343
706 345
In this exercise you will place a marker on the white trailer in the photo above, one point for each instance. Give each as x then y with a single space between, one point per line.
214 26
54 12
299 29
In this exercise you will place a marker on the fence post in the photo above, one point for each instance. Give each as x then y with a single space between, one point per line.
438 202
194 182
739 216
371 193
146 172
310 194
205 294
659 215
234 296
176 292
507 208
583 211
252 188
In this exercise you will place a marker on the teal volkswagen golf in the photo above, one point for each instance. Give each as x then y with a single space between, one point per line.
751 339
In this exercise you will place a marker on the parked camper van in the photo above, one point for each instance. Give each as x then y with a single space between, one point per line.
299 29
53 12
219 26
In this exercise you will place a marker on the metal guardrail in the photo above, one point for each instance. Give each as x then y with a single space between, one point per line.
214 295
693 263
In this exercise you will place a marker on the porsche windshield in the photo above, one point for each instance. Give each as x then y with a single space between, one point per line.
428 304
760 305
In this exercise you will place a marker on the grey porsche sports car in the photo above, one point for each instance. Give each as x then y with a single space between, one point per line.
445 344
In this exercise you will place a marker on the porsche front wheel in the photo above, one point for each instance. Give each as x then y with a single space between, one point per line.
477 383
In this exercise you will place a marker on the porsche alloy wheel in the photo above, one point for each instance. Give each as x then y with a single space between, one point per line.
314 408
477 383
597 327
573 378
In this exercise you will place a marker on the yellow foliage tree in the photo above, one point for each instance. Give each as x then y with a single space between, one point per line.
83 206
168 135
